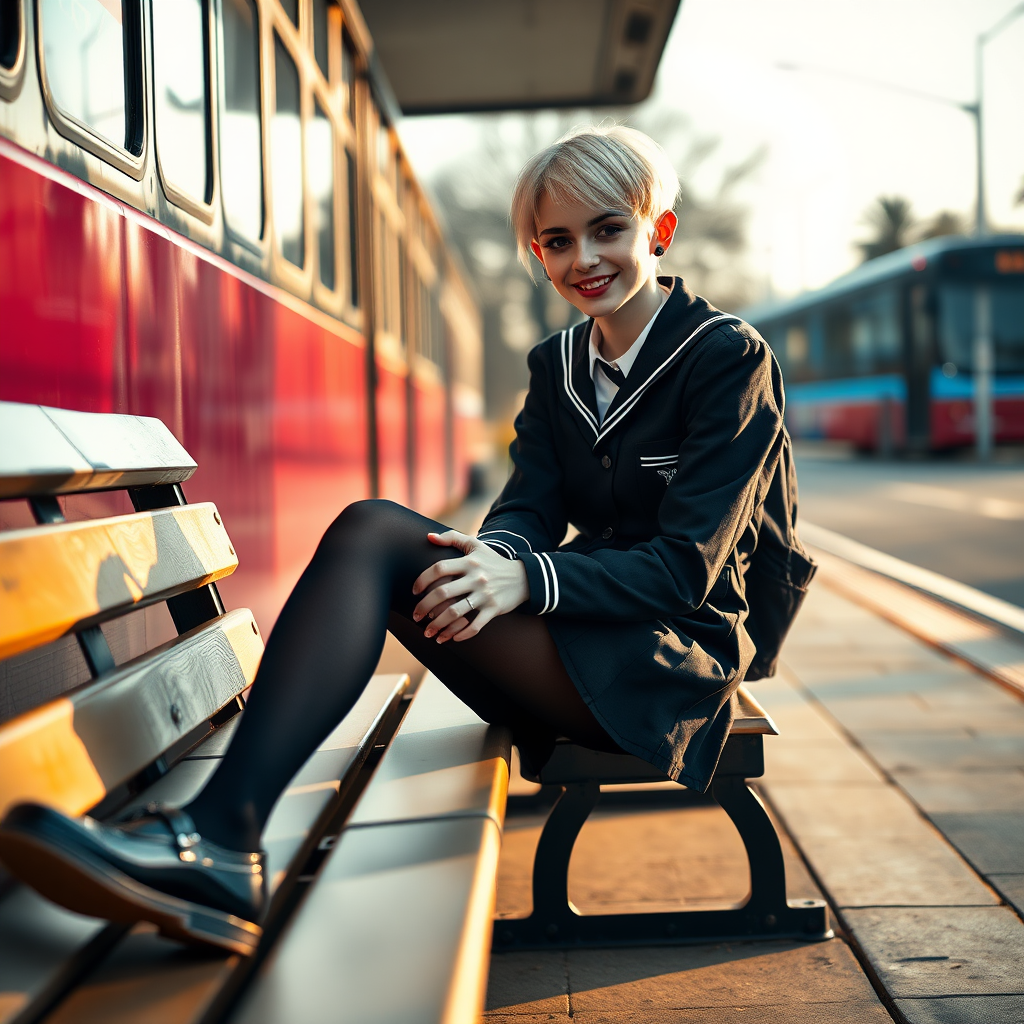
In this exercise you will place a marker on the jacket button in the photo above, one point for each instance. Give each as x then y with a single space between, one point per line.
606 462
607 533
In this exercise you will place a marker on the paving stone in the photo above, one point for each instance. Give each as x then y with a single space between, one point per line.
897 871
901 711
841 810
942 951
952 749
760 974
963 1010
528 983
1011 888
801 1013
825 760
923 679
993 841
958 792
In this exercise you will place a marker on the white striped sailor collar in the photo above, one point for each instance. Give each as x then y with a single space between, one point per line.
682 318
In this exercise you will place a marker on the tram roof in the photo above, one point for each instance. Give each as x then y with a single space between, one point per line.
876 271
462 56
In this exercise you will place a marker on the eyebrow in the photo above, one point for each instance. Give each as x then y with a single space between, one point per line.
590 223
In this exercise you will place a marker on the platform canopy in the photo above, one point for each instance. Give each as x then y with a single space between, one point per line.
457 56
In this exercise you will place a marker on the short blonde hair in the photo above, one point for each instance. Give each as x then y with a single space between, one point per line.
600 166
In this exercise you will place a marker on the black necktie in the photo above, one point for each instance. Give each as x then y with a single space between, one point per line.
615 375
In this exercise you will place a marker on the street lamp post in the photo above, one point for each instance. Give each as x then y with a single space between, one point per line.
983 348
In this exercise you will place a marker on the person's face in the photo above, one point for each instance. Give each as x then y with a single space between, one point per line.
597 259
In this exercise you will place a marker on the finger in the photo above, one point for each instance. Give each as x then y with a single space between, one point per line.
452 539
430 604
474 627
459 608
437 571
456 627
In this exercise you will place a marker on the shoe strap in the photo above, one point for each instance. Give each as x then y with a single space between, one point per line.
180 824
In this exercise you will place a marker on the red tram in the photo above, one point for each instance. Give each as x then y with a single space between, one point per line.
206 216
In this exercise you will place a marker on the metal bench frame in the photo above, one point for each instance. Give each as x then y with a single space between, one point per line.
579 772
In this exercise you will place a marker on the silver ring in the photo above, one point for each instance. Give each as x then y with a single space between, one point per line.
470 603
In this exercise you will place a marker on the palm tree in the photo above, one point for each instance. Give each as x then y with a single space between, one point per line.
892 221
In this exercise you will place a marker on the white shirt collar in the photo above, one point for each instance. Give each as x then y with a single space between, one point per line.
628 358
605 390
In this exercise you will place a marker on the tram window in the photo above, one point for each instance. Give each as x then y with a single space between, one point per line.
286 157
179 66
241 163
320 49
84 50
291 8
348 76
353 242
320 160
10 32
956 326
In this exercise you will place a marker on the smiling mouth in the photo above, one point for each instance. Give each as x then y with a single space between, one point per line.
594 285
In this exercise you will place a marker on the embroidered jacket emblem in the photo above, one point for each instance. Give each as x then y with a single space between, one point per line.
667 474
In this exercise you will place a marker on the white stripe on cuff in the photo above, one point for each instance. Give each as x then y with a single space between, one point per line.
554 580
502 548
487 533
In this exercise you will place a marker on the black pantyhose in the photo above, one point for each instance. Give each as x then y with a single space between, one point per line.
326 644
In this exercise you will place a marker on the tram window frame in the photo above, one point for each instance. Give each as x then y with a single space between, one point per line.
320 17
232 231
201 207
344 105
388 230
326 294
12 48
300 274
131 157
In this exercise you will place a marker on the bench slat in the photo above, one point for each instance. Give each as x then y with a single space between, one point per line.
37 940
59 451
397 928
69 575
71 752
749 717
443 762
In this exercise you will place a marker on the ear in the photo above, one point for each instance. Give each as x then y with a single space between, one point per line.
664 230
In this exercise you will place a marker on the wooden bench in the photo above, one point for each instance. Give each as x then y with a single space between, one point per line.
579 774
153 728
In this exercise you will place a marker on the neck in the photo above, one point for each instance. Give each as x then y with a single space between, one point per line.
620 329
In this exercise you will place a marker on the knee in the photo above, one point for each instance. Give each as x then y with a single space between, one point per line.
362 524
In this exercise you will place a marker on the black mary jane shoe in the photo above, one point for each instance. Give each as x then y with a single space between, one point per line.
153 867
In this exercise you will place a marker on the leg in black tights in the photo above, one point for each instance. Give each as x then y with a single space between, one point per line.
326 644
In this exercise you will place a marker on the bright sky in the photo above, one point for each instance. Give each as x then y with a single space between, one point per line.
833 145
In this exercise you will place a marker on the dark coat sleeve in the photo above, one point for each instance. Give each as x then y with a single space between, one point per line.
529 514
732 423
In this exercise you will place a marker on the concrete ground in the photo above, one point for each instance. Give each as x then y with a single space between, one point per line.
949 514
899 782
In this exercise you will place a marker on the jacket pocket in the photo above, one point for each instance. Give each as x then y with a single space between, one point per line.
656 464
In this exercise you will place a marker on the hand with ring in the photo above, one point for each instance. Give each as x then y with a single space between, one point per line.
480 583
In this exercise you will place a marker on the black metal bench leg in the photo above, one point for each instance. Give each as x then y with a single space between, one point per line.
554 917
766 914
764 851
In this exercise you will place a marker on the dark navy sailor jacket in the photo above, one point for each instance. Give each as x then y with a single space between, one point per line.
646 603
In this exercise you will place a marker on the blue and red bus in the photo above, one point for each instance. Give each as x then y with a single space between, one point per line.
883 357
206 216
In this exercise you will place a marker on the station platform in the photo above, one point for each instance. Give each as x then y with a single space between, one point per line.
898 781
